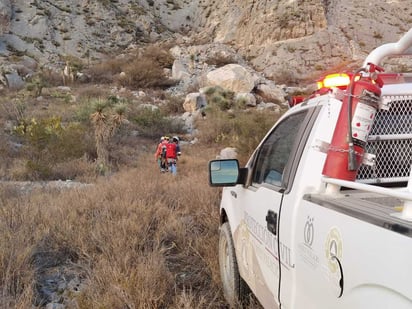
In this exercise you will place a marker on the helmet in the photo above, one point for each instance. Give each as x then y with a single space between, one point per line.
175 138
166 138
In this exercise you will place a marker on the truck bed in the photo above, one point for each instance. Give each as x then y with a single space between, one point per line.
370 207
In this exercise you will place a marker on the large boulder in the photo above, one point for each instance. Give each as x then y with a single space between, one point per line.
179 71
14 81
233 77
269 92
194 101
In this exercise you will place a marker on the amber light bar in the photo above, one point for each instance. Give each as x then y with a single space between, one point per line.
336 80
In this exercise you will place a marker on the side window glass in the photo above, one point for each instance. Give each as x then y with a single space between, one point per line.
276 150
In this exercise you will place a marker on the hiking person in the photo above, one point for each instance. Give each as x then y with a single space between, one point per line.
172 152
160 154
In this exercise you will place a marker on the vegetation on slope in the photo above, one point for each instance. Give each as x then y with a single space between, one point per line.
132 237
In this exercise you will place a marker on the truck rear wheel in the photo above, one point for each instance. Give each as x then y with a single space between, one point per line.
235 288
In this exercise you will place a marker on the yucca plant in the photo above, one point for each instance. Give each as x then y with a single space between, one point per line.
105 125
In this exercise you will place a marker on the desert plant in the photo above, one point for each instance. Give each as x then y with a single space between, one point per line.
48 143
153 123
105 125
36 84
13 109
173 105
39 135
242 130
105 71
220 97
143 73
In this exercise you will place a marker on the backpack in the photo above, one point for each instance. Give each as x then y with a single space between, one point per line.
171 150
163 152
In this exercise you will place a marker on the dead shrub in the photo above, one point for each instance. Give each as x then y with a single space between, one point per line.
173 105
89 92
145 69
105 71
220 59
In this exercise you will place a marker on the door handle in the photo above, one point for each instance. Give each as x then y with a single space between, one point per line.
334 258
272 221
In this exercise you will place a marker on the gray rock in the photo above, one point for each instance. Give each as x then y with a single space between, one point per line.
269 92
179 71
233 77
14 81
228 153
194 102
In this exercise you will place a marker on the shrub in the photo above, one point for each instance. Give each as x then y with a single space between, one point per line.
220 60
174 105
36 85
153 123
48 143
142 70
104 72
144 73
13 109
242 130
220 98
107 117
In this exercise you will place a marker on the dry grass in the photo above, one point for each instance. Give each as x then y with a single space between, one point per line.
139 239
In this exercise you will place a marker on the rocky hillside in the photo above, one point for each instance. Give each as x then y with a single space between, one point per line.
286 40
299 38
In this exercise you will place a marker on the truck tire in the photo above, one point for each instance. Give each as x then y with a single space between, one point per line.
235 288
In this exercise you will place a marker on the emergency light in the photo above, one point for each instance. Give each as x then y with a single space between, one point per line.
336 80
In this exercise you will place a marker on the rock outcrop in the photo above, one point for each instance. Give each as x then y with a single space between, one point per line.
288 41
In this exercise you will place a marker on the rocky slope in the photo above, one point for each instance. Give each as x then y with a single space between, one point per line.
286 40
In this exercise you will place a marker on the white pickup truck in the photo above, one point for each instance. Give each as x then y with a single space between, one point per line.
321 215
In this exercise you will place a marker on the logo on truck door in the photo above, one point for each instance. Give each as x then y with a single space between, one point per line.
333 249
308 255
309 232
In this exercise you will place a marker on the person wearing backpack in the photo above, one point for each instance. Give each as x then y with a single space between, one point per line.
160 154
172 152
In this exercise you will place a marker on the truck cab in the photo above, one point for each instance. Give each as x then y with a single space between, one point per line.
300 227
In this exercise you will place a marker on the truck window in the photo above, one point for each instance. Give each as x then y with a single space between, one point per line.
276 150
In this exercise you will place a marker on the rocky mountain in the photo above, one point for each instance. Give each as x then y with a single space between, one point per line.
286 40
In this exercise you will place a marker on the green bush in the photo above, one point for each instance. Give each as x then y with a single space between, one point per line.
221 98
242 130
153 123
48 143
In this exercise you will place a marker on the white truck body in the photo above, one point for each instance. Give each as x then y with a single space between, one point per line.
303 240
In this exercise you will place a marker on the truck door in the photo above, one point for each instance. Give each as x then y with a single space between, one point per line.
260 254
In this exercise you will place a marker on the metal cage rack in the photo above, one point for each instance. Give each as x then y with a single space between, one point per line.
391 141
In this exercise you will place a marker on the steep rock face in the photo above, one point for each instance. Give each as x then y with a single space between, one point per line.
286 40
50 30
257 22
291 40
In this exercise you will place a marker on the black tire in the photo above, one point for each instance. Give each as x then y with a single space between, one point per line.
235 288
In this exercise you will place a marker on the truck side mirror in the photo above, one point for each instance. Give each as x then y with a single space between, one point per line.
223 173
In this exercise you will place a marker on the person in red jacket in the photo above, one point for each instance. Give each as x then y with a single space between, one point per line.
160 154
172 152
